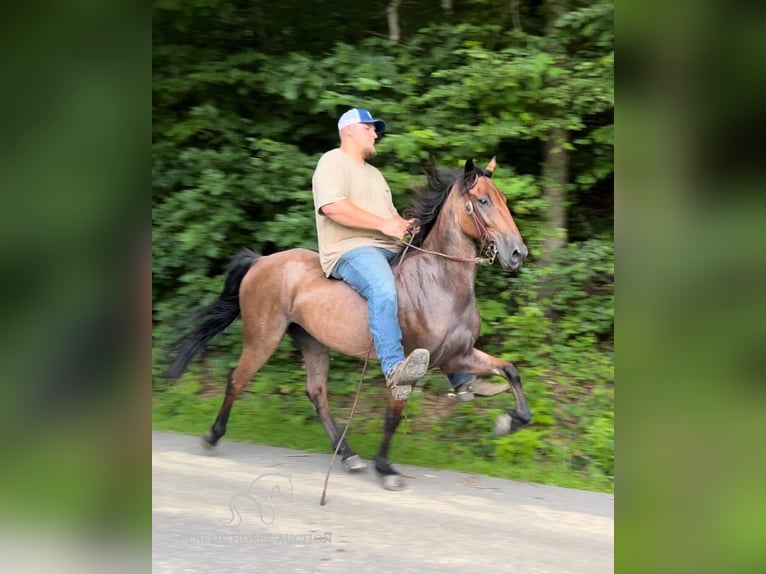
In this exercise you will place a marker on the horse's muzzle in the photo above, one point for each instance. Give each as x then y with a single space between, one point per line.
512 253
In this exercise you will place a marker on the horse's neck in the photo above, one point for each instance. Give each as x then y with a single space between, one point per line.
447 238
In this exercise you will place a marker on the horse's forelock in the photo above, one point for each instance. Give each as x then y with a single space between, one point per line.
470 179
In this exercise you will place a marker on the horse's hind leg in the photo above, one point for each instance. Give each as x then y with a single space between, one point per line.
392 479
256 350
317 359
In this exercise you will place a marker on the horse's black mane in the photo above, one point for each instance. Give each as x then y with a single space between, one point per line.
429 199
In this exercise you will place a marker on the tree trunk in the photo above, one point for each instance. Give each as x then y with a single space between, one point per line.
392 12
555 159
515 17
447 6
555 177
554 9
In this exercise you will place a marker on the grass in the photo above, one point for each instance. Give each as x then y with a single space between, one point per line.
439 432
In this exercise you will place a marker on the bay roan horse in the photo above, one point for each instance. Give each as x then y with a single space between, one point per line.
461 214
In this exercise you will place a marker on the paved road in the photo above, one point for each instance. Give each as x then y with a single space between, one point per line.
254 509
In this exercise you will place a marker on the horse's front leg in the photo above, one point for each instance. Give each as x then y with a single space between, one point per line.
513 419
392 479
480 363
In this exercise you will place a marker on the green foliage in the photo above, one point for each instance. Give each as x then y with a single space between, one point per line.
243 108
560 334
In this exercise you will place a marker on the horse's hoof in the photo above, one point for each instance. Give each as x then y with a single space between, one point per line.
354 463
502 424
518 422
393 482
509 422
209 441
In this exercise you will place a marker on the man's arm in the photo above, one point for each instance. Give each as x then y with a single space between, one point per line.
347 213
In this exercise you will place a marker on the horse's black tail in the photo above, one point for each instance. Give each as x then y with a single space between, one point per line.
214 318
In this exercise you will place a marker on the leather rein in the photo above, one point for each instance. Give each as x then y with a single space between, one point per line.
487 242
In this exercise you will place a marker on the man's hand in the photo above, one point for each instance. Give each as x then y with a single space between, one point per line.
414 226
395 227
347 213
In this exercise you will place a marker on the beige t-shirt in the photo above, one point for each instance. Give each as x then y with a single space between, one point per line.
339 177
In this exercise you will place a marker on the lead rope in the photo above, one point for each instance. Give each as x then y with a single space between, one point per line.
323 500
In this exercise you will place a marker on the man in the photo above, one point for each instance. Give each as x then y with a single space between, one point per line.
357 229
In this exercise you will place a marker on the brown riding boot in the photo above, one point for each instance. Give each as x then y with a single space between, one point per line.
478 387
400 379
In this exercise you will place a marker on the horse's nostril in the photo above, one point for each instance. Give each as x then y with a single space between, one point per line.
517 255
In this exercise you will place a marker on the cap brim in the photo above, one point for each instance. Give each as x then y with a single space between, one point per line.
380 127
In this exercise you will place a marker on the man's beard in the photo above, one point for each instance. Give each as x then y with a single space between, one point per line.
370 152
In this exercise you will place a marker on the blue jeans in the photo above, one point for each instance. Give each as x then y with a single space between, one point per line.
457 379
368 271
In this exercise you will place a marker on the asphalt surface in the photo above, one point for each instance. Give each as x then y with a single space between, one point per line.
243 508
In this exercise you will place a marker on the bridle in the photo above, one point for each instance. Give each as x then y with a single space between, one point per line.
487 241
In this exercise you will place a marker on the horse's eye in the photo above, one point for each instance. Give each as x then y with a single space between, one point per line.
483 201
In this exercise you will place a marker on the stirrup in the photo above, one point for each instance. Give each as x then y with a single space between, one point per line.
478 387
463 395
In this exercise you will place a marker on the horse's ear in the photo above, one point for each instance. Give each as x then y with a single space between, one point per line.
469 167
491 166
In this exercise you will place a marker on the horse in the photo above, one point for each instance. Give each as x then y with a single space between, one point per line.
461 214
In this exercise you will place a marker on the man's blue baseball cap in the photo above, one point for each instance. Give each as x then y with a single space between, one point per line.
360 116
